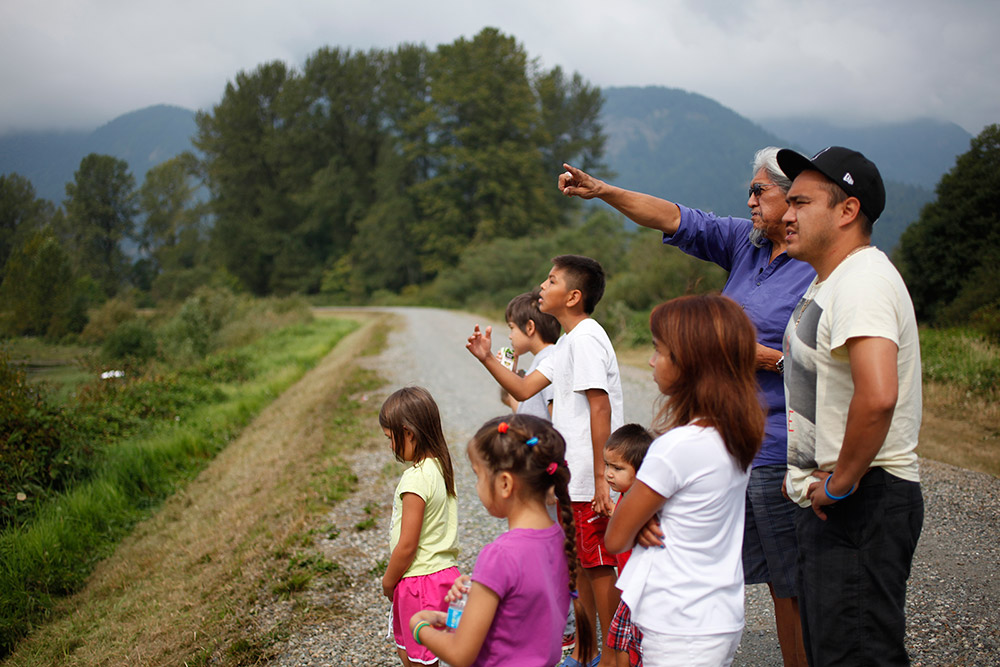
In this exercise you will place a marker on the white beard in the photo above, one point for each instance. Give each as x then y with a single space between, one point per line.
757 238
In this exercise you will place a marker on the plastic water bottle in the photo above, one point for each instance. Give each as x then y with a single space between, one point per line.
455 610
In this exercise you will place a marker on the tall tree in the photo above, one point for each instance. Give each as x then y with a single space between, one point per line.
100 207
950 257
172 229
570 121
242 171
331 144
489 180
39 295
21 213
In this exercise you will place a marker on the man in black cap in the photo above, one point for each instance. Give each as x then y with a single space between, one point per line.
853 394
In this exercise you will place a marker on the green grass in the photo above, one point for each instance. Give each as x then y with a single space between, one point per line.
53 553
960 357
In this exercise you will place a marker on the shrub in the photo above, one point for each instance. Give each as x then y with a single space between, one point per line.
107 318
191 334
132 342
41 447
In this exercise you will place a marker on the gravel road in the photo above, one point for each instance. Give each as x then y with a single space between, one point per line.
954 593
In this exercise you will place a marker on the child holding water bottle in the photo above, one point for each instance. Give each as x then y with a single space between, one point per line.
523 581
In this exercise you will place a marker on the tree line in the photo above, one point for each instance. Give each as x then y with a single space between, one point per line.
364 171
402 172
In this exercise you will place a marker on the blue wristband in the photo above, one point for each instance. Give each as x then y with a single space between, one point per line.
826 490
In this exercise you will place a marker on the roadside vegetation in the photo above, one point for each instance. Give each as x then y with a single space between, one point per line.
186 588
86 457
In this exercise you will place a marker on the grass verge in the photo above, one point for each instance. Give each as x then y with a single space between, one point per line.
53 555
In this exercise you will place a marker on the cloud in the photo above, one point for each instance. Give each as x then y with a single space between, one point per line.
79 63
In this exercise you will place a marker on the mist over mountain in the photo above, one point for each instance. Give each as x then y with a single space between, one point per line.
690 149
664 141
918 152
143 138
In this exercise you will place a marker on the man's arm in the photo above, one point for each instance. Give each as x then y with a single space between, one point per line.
869 415
521 388
600 431
642 209
767 358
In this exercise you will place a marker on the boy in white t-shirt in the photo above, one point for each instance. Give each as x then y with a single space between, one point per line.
536 332
586 408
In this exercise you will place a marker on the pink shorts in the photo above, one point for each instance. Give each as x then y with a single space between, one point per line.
415 594
590 528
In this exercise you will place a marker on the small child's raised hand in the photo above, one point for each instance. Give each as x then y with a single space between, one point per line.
458 588
480 342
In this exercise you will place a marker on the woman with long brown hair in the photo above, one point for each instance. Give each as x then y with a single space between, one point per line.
684 581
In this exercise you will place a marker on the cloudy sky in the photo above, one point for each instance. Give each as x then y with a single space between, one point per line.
80 63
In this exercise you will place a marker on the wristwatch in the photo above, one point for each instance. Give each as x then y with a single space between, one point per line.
779 365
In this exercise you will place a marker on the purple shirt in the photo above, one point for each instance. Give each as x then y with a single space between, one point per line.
527 569
767 291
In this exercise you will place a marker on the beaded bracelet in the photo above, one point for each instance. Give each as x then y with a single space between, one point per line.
416 631
826 490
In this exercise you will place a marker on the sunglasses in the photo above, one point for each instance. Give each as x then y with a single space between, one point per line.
757 188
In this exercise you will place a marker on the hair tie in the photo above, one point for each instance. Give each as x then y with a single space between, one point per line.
531 442
574 594
552 468
502 428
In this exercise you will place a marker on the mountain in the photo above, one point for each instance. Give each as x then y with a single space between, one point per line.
681 146
915 152
691 149
143 138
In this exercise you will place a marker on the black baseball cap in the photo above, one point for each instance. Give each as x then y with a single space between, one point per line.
853 172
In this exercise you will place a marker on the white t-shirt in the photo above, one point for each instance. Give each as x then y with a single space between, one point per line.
582 359
538 405
863 297
694 584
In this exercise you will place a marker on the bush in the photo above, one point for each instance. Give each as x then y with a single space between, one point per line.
191 334
107 318
41 447
131 342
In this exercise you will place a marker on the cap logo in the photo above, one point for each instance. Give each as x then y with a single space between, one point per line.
848 178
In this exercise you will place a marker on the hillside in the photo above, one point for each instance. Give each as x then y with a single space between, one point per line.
687 147
682 146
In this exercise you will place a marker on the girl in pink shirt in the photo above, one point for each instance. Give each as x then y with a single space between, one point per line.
522 582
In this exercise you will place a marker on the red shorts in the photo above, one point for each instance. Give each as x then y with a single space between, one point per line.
590 528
